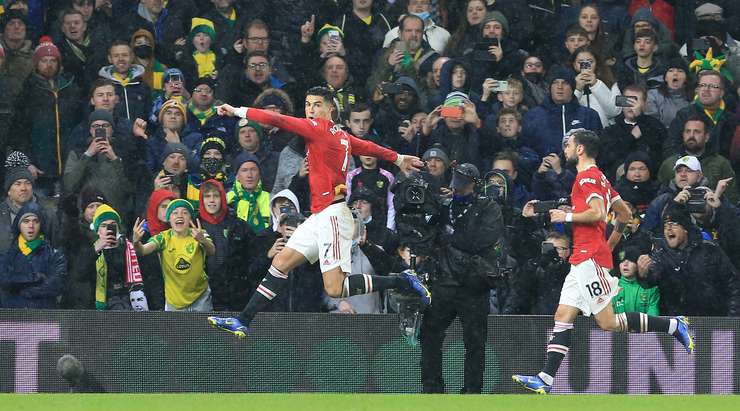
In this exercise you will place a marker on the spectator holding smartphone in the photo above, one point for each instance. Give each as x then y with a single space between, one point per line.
596 86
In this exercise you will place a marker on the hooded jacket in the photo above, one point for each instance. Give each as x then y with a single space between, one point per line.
36 280
286 194
135 97
544 126
156 226
666 47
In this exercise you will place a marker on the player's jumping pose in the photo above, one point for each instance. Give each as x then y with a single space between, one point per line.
589 287
326 235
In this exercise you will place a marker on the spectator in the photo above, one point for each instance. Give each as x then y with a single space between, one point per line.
153 16
511 98
174 89
596 87
380 181
228 16
198 58
183 250
49 111
251 139
202 116
687 175
256 38
78 239
714 166
509 128
508 162
575 38
536 288
402 100
643 19
173 176
144 47
533 79
715 33
32 272
133 93
719 221
249 202
172 129
18 50
600 36
365 30
280 102
99 165
544 126
242 84
637 186
408 56
438 164
552 181
711 104
459 137
695 277
632 297
468 29
336 77
82 54
7 104
675 93
214 214
436 36
495 54
19 189
645 68
632 131
118 280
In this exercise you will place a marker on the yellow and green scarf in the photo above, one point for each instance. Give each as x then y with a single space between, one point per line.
203 115
251 207
713 115
28 247
133 275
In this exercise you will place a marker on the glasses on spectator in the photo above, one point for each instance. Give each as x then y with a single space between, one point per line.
258 40
103 126
671 224
708 86
533 65
257 66
204 90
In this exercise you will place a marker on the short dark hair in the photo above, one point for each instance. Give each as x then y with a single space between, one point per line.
507 155
322 92
699 118
118 43
589 140
575 30
69 12
359 107
646 33
100 82
506 111
637 88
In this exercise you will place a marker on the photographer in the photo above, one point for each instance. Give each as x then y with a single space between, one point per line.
536 288
694 276
472 229
118 280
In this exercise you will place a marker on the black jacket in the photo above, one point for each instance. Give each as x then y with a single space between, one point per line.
618 142
535 290
697 280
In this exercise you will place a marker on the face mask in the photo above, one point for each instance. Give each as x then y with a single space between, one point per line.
534 77
143 51
211 166
424 15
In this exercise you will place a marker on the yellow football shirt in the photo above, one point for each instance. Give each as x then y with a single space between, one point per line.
183 268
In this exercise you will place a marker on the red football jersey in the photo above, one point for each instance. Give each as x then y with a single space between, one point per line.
329 151
589 240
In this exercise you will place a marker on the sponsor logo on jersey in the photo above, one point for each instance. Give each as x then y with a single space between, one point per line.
586 180
182 265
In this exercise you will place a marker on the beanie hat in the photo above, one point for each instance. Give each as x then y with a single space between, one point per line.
14 14
242 158
455 99
177 203
328 28
104 213
173 104
16 168
213 141
496 16
249 123
677 213
98 115
640 156
207 81
176 148
201 25
644 14
272 100
363 193
437 152
46 48
89 195
560 72
631 253
679 63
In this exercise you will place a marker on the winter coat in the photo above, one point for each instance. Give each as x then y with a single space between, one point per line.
18 66
617 142
552 186
106 175
544 126
535 290
698 280
653 219
665 105
461 145
629 74
714 167
79 288
134 98
8 214
235 88
510 64
601 100
44 120
36 280
724 227
166 29
85 70
639 195
156 143
667 49
289 162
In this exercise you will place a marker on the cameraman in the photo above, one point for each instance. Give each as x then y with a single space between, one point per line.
472 228
536 288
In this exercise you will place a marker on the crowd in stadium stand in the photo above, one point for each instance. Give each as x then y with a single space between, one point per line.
108 115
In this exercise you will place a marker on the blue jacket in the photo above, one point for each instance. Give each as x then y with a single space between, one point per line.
156 143
35 281
544 126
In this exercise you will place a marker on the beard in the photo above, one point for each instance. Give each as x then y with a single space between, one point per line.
571 161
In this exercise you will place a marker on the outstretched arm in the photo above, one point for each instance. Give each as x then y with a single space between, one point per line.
301 126
362 147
